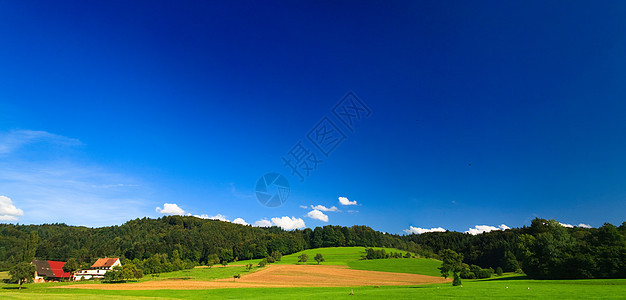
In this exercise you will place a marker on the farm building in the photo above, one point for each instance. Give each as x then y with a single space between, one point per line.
49 270
98 269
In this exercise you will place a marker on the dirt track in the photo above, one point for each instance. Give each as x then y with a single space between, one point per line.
281 276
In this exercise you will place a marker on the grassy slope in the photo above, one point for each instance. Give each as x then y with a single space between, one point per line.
332 256
421 266
216 272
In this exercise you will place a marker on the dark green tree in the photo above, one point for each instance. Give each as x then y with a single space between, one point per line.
303 258
499 271
30 247
319 258
457 280
451 262
22 272
277 255
71 266
212 259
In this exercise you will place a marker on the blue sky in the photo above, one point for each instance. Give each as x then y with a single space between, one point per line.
482 114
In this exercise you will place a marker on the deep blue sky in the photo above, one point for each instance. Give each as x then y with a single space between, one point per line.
483 113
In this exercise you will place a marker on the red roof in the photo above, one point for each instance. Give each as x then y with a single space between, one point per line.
104 262
57 269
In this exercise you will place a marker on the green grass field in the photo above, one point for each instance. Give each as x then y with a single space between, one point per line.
511 286
332 256
216 272
423 266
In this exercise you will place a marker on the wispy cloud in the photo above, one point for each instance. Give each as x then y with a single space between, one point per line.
324 208
49 186
70 193
419 230
15 139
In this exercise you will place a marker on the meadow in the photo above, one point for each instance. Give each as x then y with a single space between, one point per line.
510 286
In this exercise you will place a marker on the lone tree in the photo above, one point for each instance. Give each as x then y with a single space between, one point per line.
303 258
211 260
277 255
224 263
249 266
22 272
263 263
319 258
451 262
71 266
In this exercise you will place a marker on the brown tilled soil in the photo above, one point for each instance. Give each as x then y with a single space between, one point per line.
281 276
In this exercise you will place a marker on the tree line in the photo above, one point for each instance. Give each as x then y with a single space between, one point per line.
545 249
176 242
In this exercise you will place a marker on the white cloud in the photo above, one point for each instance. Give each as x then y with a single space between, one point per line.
345 201
566 225
219 217
572 226
318 215
324 208
304 206
263 223
15 139
478 229
240 221
419 230
288 223
8 211
170 209
285 223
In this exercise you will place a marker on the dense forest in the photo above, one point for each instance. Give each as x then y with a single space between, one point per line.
543 250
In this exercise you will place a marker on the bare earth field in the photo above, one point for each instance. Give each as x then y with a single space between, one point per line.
282 276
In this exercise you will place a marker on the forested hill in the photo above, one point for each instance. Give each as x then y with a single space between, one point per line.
543 250
194 239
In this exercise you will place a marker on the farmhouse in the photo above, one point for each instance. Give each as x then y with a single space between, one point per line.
49 270
98 269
